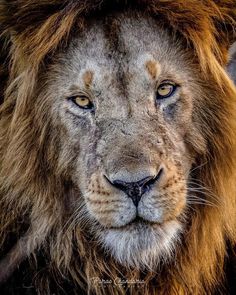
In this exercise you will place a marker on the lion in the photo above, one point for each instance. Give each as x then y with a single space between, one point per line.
118 147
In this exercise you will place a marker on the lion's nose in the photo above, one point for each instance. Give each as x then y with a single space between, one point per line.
136 189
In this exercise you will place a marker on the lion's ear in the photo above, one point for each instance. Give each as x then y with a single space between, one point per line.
231 66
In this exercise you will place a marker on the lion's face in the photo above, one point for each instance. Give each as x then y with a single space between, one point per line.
122 98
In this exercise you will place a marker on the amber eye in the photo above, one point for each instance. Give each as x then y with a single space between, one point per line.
82 101
165 90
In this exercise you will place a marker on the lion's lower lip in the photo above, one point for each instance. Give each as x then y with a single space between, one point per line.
137 221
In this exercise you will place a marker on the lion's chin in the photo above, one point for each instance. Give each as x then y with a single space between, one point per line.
142 245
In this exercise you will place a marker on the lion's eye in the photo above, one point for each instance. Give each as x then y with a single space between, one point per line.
165 90
83 102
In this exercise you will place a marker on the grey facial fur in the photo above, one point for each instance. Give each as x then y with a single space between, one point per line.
232 63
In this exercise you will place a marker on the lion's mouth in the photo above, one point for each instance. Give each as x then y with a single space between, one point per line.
137 222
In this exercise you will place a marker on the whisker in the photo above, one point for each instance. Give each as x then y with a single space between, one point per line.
201 203
198 167
69 223
206 193
191 199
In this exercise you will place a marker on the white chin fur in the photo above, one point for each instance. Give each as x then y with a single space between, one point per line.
140 245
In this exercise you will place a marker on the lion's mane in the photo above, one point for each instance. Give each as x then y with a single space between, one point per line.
33 186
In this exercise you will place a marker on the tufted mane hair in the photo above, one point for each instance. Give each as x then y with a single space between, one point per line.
33 186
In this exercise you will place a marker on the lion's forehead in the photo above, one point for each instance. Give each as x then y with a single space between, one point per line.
128 56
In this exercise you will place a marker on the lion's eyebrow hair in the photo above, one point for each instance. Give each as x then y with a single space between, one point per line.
153 68
88 78
74 88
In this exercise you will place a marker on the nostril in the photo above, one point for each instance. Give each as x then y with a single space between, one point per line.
119 184
159 174
151 180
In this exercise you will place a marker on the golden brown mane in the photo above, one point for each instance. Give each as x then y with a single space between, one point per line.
33 184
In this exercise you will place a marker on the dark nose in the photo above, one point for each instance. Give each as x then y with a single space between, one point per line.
135 190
